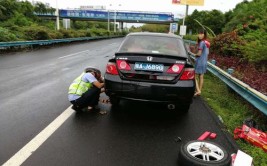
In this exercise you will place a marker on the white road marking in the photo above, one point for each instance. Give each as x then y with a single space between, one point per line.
111 44
38 140
72 54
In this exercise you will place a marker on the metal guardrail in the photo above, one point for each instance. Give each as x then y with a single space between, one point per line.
48 42
254 97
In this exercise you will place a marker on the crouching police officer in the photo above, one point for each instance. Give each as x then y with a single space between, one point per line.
84 92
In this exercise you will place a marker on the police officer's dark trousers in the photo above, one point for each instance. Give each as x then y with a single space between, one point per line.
89 98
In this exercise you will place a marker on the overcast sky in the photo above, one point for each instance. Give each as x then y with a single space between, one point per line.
146 5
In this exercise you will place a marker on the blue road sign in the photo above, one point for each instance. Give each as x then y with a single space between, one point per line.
173 27
120 16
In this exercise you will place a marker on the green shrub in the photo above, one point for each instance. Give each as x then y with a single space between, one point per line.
80 33
124 33
10 26
6 35
90 33
67 33
48 24
190 37
83 33
99 32
36 33
255 51
20 20
13 29
55 35
227 44
155 28
255 47
80 24
111 33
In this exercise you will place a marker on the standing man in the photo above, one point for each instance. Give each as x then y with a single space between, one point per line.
84 92
201 60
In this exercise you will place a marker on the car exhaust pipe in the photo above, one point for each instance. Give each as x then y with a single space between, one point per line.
171 106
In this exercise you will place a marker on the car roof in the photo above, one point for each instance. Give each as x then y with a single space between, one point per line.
154 34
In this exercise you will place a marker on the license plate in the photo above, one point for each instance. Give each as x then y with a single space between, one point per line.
148 66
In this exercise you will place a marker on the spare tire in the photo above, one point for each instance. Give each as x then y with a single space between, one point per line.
203 153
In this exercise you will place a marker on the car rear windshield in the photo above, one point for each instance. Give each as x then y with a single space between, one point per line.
154 45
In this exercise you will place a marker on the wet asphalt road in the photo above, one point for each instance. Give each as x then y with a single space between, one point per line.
33 92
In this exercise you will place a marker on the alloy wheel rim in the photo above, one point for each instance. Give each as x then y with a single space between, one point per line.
205 151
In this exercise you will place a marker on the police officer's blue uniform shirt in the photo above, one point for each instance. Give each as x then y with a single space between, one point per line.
87 77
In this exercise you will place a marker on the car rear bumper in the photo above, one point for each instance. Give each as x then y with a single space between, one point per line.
182 91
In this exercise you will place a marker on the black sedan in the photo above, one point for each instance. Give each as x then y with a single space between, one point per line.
152 67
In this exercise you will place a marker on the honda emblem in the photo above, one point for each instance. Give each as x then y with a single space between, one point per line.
149 58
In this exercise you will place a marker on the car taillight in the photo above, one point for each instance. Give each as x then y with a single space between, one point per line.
188 74
175 69
123 65
111 69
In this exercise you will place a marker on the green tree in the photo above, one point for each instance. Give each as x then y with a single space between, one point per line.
213 19
191 23
155 28
2 9
90 25
80 25
228 16
40 8
8 9
247 13
248 19
26 9
135 29
51 10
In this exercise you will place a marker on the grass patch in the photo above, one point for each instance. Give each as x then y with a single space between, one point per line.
234 110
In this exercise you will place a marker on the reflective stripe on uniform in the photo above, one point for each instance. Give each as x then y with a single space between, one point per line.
78 87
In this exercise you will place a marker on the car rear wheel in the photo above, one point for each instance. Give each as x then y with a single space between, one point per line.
203 153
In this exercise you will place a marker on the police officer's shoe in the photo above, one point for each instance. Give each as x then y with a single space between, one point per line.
75 108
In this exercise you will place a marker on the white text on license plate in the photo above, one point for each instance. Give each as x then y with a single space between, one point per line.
148 66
